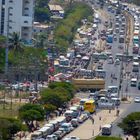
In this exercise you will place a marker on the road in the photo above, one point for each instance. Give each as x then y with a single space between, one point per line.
132 92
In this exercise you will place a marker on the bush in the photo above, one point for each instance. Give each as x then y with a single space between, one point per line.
124 99
107 138
65 31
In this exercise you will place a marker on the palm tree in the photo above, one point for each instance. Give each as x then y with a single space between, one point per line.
15 42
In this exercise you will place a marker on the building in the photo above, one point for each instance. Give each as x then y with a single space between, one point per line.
17 16
38 27
56 11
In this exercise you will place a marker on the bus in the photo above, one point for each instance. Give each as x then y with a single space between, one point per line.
89 106
135 67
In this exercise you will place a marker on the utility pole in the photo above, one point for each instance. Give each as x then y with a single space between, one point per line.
7 41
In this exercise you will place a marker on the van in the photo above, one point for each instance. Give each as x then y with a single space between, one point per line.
116 101
51 126
67 127
133 82
55 124
106 129
69 115
45 131
61 120
75 111
36 135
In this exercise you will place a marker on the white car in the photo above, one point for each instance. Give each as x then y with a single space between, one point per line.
71 138
137 100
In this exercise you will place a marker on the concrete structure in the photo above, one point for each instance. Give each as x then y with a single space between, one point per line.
17 16
38 27
57 11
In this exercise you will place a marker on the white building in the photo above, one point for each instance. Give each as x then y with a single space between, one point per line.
17 16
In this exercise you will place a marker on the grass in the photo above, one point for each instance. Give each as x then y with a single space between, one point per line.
8 111
107 138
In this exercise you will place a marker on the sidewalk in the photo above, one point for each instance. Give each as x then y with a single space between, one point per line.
88 130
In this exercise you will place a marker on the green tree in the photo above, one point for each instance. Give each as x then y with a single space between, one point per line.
131 124
9 127
66 28
65 85
49 96
107 138
15 42
30 113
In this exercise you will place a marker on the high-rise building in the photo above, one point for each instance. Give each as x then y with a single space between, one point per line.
17 16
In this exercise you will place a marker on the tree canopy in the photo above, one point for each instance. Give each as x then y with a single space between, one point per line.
107 138
9 127
57 94
42 12
131 124
65 31
30 113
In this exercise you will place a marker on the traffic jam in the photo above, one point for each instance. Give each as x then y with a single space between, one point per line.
89 64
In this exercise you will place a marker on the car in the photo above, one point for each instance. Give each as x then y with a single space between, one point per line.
51 137
137 100
117 62
60 134
72 138
82 118
139 85
75 122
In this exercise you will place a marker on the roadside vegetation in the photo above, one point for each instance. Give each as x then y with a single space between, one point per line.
42 13
107 138
137 2
66 29
131 125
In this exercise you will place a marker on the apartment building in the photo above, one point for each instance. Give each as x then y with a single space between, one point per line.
17 16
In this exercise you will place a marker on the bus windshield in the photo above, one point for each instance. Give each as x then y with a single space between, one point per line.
89 106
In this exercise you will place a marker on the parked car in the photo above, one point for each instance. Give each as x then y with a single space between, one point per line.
139 85
75 122
137 100
82 118
72 138
60 134
52 137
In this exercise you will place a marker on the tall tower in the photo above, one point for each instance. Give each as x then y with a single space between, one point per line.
17 16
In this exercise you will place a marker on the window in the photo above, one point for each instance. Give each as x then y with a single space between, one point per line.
25 21
26 2
3 2
26 15
10 14
26 8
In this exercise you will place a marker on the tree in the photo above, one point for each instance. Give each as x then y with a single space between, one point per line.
15 42
65 85
30 113
9 127
131 124
107 138
50 96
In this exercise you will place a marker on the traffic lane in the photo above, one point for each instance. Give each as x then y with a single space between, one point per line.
133 107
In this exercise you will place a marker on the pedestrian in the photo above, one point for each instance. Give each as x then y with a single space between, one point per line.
109 110
100 128
92 119
93 132
100 118
127 138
